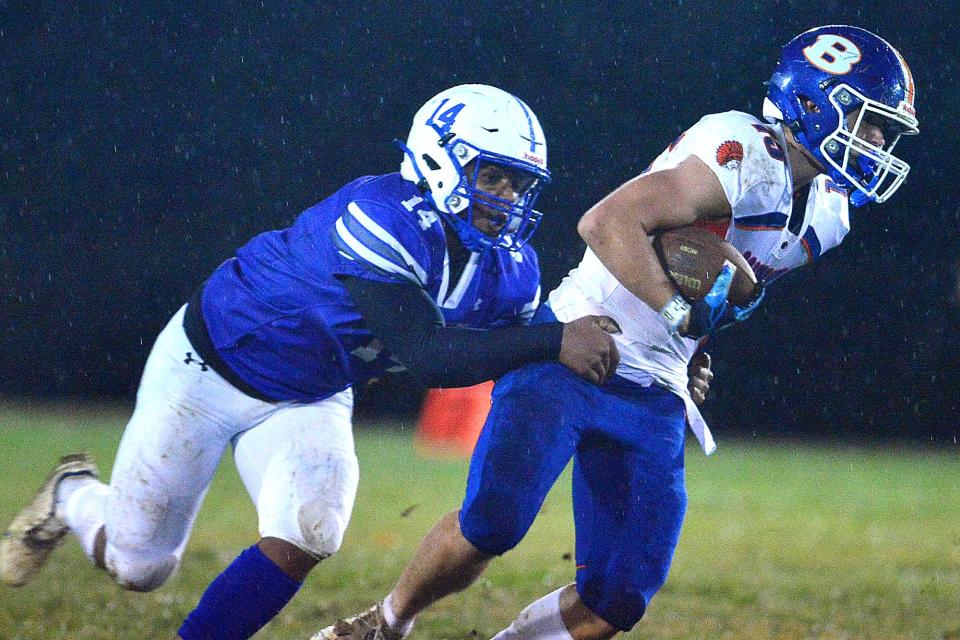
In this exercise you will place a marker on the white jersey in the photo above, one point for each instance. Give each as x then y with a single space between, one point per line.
748 157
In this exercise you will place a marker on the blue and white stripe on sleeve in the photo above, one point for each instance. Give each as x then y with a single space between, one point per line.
360 238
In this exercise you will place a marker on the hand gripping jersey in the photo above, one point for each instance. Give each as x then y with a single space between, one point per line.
748 157
279 318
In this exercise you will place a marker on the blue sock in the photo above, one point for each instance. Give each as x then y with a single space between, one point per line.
246 596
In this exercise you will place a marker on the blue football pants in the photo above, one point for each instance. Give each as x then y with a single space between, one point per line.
628 479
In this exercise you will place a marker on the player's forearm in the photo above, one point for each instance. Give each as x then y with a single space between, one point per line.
624 248
461 357
617 228
411 326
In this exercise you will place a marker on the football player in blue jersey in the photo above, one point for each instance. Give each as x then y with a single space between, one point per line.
427 269
778 189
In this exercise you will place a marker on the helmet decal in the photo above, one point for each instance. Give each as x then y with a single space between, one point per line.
446 119
909 90
531 133
833 54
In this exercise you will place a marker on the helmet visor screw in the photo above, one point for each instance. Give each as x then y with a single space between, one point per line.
454 201
832 146
460 151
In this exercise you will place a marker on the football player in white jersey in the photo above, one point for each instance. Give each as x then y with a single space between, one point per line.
427 268
778 188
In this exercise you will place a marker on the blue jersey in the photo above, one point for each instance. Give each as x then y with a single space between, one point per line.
280 319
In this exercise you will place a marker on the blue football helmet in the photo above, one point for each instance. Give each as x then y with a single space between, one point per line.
482 125
853 77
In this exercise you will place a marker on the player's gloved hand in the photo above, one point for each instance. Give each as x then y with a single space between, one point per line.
699 376
742 313
706 315
715 312
587 348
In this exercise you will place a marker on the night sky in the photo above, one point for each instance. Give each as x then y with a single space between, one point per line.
141 144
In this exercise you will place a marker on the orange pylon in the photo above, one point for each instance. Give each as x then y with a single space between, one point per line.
451 419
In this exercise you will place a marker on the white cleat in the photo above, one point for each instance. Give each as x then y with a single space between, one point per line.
368 625
37 530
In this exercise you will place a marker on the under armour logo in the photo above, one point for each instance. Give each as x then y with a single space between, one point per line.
190 358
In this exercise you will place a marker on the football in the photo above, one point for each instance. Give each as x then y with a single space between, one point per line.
693 257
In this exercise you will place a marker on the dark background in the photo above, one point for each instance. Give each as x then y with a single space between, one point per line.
141 143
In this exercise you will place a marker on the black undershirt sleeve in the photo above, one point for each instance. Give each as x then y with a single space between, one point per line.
411 326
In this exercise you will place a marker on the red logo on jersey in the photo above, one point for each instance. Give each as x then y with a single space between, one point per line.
729 154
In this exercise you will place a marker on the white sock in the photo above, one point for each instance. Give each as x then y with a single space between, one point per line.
67 486
81 502
541 621
404 626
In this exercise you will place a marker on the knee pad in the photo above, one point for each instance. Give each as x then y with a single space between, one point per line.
491 526
321 528
140 574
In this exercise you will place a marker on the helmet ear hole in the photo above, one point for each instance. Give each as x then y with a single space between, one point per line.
431 163
808 105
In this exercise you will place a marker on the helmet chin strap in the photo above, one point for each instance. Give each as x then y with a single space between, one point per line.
858 197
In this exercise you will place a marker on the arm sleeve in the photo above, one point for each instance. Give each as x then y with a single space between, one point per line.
410 325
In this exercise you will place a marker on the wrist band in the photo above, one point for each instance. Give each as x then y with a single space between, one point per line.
674 313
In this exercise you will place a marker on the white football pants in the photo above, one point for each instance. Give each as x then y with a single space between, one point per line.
296 460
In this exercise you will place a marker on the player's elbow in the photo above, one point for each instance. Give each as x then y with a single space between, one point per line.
604 226
591 226
585 228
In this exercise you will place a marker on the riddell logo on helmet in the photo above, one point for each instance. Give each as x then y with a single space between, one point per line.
532 158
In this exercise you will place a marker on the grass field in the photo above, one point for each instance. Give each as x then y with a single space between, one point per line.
781 541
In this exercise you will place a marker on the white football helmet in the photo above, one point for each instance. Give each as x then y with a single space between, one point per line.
477 122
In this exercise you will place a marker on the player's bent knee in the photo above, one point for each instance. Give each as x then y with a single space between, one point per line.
137 574
496 543
490 531
321 529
